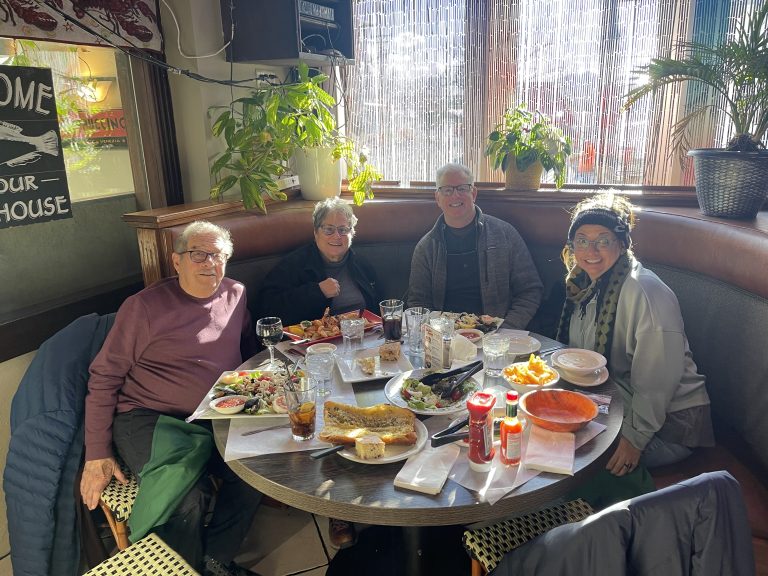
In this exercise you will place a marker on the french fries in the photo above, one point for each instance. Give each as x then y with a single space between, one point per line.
534 372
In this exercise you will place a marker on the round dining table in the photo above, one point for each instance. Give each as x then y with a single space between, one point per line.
339 488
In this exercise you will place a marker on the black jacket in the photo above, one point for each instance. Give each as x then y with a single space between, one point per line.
291 292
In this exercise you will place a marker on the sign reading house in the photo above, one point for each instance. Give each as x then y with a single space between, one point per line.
33 183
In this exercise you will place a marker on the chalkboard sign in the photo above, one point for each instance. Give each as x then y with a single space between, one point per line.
33 183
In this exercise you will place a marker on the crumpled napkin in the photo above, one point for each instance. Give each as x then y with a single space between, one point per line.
428 470
550 451
462 350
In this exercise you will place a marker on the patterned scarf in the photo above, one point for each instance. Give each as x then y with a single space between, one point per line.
579 291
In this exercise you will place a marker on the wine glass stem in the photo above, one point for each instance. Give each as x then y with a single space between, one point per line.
271 355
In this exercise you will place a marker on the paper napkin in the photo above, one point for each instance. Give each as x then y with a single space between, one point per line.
428 470
550 451
462 349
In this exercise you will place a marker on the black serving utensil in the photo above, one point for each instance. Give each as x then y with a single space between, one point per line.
327 451
435 377
454 432
446 386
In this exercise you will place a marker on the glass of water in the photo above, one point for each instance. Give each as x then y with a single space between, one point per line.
495 348
319 361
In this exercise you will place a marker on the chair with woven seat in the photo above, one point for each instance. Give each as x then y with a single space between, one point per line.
486 546
150 556
117 502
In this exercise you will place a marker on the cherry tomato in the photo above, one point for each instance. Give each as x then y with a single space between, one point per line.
406 394
243 373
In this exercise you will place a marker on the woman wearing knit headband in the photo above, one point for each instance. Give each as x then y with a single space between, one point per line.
622 310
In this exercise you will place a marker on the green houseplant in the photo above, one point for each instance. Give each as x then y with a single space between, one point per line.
730 182
261 133
528 141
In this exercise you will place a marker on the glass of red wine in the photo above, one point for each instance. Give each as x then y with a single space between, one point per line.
392 318
270 332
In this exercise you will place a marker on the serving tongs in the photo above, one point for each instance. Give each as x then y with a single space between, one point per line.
436 377
446 386
454 432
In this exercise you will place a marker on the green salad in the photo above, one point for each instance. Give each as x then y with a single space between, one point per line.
421 397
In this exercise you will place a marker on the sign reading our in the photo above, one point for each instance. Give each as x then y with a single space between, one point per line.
33 182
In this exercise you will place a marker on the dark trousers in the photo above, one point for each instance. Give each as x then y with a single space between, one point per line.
185 531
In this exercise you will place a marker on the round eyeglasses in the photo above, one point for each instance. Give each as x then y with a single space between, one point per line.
200 256
461 190
330 230
582 244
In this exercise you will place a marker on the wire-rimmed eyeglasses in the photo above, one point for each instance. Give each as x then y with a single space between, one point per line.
330 230
200 256
461 190
582 244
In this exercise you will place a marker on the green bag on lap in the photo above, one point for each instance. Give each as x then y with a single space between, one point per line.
606 489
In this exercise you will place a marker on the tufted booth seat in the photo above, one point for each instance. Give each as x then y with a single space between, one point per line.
717 268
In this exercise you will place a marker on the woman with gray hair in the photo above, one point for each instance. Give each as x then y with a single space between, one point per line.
324 274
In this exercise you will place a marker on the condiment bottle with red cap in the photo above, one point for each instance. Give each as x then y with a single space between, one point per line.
481 451
511 432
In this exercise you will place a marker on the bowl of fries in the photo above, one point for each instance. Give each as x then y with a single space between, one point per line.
532 374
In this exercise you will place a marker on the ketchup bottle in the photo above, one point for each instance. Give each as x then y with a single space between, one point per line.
511 433
481 451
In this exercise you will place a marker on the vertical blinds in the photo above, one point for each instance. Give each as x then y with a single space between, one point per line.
432 78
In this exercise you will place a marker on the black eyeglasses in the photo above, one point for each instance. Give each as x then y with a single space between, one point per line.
200 256
330 230
461 190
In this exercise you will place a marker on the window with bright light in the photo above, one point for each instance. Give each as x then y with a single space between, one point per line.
94 131
432 78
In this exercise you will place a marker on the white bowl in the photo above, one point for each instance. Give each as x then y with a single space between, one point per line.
523 345
525 388
321 348
241 400
578 361
473 335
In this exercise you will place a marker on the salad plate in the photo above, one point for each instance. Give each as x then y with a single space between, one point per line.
263 389
352 369
393 452
427 405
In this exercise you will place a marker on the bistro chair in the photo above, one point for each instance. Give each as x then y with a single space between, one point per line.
150 556
486 546
117 502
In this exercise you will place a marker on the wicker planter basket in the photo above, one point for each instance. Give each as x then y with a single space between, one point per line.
528 179
730 184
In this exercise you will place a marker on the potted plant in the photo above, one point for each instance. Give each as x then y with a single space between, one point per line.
730 182
526 143
263 131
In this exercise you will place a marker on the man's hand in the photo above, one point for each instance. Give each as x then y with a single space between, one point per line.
625 459
330 288
96 475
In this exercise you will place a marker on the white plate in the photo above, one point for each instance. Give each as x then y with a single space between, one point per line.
393 452
351 372
578 360
594 379
519 345
204 411
455 315
392 391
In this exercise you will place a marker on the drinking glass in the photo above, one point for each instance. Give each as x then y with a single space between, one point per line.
392 318
302 412
319 361
352 332
414 319
270 332
495 348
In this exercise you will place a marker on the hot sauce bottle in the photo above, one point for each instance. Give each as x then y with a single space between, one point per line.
511 432
481 451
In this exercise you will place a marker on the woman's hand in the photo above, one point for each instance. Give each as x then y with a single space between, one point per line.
625 459
96 475
330 288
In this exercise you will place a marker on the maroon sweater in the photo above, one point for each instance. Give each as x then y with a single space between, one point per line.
164 352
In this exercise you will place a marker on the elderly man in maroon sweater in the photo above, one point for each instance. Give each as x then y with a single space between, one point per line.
168 344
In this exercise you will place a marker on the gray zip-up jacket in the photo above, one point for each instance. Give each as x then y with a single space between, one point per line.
509 282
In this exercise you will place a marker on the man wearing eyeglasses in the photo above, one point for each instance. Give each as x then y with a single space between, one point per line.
473 262
323 274
168 344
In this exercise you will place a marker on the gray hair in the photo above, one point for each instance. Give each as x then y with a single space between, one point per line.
199 227
329 206
451 168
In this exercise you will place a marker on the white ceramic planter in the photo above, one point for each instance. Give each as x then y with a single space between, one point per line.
319 175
